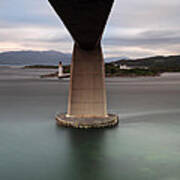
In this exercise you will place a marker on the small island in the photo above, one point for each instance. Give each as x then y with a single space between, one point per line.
112 70
151 66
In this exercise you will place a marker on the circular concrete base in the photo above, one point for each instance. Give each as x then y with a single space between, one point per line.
87 123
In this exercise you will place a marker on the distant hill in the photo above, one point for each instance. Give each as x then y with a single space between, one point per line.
159 63
112 59
34 57
24 58
38 58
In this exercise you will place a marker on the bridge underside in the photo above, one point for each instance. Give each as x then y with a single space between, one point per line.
85 19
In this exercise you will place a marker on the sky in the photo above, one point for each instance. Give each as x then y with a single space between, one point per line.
135 28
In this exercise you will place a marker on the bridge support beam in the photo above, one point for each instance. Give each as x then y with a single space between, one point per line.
87 96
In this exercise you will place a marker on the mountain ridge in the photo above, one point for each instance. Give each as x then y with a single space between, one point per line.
31 57
51 57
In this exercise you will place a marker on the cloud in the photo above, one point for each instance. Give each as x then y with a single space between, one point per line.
37 38
135 28
145 43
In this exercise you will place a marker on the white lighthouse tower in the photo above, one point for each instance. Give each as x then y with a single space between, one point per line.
60 70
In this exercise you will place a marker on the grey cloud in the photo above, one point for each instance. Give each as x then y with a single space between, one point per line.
141 42
153 38
20 13
161 34
50 40
158 21
140 13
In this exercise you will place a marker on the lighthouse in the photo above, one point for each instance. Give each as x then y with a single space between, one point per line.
60 69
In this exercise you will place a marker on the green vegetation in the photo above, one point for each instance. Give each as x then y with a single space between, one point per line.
134 73
66 69
113 70
159 63
40 67
152 66
162 68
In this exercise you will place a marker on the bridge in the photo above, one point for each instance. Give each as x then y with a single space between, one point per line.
87 104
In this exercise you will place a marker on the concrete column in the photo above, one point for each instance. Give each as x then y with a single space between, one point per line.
87 95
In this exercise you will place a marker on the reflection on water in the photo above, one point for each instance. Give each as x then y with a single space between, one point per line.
87 153
139 149
142 150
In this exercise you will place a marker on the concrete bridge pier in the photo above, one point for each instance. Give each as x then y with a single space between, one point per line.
87 106
87 96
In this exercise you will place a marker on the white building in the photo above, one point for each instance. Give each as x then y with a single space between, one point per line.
123 66
60 69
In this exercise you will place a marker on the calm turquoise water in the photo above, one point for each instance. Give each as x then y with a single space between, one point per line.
35 150
145 145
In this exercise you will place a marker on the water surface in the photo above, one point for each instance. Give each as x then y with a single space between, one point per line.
145 145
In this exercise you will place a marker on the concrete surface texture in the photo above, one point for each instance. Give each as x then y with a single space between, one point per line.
87 96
